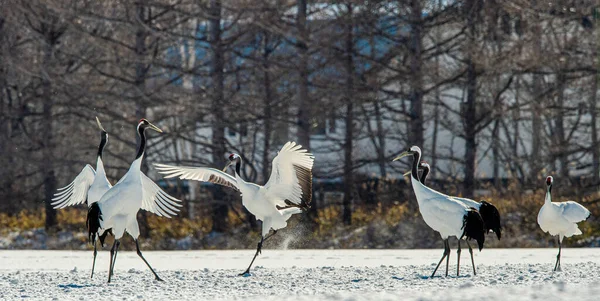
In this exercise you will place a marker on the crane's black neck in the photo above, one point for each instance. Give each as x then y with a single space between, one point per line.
103 141
238 165
142 147
415 167
424 174
549 188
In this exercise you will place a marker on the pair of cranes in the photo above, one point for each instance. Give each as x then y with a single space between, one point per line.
468 219
113 209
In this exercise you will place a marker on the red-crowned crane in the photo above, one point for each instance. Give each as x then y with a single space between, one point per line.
443 213
560 218
118 207
488 212
287 192
88 187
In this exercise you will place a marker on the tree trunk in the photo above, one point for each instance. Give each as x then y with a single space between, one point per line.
496 154
593 106
48 168
470 112
267 118
470 134
536 108
219 208
436 108
381 160
561 153
304 102
594 129
416 78
140 84
349 120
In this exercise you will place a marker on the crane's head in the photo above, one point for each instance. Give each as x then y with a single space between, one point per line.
145 124
233 159
103 138
549 180
411 151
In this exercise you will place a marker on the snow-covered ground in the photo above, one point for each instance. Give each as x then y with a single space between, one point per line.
503 274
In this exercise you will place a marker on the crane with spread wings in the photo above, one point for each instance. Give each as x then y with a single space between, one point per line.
288 190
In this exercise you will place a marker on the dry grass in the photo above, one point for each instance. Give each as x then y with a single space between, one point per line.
381 223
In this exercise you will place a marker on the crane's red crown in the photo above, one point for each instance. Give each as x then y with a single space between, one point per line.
549 180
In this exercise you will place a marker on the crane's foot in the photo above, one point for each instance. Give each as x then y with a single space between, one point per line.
245 274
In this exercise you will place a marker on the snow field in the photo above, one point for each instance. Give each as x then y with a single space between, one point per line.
503 274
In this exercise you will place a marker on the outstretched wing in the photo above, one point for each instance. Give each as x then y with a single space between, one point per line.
76 192
574 212
203 174
156 200
291 177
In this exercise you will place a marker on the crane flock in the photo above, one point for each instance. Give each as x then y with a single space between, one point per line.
112 210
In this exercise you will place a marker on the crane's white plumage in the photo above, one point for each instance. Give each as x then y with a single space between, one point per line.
443 213
79 191
288 189
118 207
290 173
89 185
468 202
157 201
489 213
133 192
291 180
202 174
560 218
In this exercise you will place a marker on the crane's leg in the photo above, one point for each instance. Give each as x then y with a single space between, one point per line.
472 261
258 251
94 262
557 265
447 256
458 258
113 258
446 253
137 245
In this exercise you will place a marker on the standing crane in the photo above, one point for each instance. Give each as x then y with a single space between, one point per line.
443 213
118 207
488 212
560 218
288 191
89 186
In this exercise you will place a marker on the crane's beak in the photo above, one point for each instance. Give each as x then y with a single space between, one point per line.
406 174
402 155
226 166
152 126
100 124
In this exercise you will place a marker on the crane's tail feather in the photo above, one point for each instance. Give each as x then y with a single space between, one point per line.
491 218
474 227
94 217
